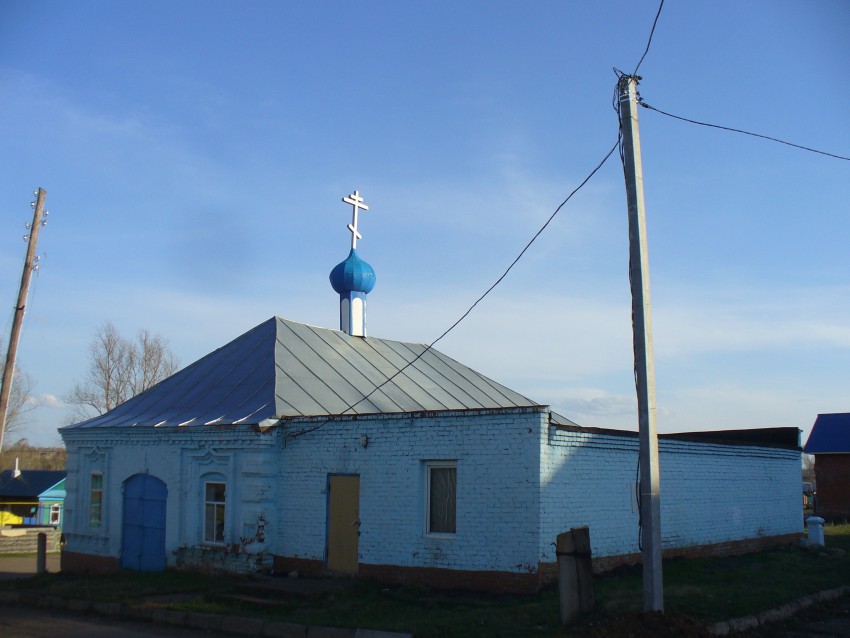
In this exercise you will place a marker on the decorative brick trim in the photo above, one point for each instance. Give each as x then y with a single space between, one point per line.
78 563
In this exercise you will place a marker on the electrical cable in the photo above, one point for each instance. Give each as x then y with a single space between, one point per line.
294 434
638 500
743 132
649 41
30 297
617 145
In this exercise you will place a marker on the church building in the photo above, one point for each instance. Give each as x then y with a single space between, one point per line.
332 452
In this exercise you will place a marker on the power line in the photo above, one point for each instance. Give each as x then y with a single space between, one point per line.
430 346
649 41
743 132
531 241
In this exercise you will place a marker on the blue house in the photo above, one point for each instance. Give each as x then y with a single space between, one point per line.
32 497
50 505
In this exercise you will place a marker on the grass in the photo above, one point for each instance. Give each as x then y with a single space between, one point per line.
768 579
423 612
712 589
705 589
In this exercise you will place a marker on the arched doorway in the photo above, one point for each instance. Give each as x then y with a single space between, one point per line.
143 527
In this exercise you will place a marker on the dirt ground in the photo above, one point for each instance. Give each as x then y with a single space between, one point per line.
827 620
25 566
644 625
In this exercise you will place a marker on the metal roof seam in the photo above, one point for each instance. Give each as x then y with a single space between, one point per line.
349 348
401 371
331 369
417 364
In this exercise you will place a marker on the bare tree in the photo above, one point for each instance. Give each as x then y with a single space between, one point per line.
21 399
153 361
33 458
120 369
808 468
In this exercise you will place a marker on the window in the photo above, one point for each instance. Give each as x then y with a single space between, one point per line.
441 505
95 499
55 510
214 513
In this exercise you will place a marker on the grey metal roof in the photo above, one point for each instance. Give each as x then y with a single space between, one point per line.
285 369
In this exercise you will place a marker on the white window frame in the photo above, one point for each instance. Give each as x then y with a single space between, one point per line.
55 514
438 465
216 506
96 522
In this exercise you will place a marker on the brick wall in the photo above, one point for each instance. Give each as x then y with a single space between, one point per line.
245 460
214 559
519 484
497 489
710 494
587 479
832 473
493 580
83 563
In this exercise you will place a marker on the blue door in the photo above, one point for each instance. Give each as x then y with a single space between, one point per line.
143 528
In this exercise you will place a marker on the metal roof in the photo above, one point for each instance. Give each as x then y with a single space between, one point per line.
786 437
283 369
30 483
830 434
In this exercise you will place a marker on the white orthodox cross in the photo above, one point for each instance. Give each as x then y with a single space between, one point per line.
357 202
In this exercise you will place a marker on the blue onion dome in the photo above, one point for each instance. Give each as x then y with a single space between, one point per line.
353 275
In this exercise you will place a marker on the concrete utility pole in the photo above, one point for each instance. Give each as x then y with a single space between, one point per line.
650 496
18 321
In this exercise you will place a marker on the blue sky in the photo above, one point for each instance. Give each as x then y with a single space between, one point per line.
195 153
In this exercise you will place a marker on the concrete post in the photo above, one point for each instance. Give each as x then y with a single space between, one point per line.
815 525
650 490
17 321
41 554
575 572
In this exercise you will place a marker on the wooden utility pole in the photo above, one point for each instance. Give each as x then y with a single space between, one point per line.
11 353
650 496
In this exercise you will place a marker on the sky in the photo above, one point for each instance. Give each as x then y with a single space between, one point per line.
195 154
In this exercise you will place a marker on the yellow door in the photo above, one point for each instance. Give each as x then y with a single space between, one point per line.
343 523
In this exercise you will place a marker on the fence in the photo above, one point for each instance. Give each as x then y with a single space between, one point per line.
24 540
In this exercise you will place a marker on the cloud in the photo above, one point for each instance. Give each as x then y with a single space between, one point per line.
596 407
568 338
749 319
44 400
720 405
744 358
50 401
